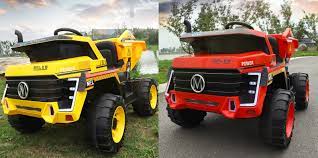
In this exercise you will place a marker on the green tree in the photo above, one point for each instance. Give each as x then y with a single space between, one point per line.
258 12
224 14
179 13
206 20
310 22
299 29
276 26
214 15
5 49
286 13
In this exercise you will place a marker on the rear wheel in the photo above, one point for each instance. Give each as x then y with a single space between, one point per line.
147 101
277 120
25 124
107 121
187 118
300 82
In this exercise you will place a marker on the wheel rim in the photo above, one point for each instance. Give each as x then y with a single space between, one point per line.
290 119
118 124
307 90
153 96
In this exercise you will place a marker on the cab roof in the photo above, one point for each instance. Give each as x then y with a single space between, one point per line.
22 46
189 37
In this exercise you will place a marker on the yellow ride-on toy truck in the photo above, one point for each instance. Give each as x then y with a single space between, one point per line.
71 75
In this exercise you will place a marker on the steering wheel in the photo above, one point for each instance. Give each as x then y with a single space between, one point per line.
68 30
231 24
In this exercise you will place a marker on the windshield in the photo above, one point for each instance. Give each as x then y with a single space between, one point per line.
229 44
57 50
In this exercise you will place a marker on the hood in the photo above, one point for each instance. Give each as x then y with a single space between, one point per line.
49 68
222 61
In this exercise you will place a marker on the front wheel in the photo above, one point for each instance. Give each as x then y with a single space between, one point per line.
25 124
277 120
187 118
107 122
147 97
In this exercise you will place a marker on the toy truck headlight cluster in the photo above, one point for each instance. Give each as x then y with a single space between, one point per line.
69 95
249 89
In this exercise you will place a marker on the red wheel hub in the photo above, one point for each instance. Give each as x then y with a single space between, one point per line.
307 90
290 119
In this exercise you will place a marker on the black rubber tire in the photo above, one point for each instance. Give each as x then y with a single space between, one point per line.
100 120
142 105
25 124
187 118
273 120
299 81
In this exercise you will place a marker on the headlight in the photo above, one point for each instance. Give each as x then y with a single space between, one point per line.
249 89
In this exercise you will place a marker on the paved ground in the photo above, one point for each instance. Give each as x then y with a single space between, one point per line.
220 137
148 63
169 56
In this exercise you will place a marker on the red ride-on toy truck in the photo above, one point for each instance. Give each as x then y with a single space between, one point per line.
238 73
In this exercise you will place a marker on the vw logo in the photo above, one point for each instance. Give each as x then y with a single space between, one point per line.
23 90
197 83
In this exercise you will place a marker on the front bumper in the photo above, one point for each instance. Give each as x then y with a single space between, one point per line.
228 106
49 111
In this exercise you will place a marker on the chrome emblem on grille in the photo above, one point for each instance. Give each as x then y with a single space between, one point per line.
23 90
197 83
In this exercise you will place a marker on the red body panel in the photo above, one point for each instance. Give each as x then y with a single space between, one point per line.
222 107
287 44
223 61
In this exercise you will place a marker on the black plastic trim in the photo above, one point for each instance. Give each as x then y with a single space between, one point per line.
264 77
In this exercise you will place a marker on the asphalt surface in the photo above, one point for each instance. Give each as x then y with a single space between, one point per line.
220 137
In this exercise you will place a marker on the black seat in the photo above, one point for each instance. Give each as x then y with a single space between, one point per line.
109 52
274 44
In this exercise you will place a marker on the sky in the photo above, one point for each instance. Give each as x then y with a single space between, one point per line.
39 18
167 39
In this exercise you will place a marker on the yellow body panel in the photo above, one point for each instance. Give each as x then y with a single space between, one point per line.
96 70
127 48
43 110
57 67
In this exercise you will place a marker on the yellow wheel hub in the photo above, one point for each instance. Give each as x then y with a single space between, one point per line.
118 125
153 96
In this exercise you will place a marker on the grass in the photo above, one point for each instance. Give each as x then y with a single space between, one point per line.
70 140
153 48
305 53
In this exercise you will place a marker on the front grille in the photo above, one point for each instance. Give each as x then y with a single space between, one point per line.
43 89
217 82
